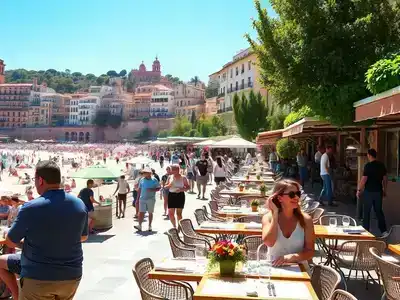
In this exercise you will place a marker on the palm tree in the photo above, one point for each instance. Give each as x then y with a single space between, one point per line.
195 80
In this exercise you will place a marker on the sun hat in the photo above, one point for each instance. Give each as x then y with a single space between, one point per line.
147 170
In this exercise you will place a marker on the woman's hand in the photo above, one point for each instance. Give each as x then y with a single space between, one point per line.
282 260
271 205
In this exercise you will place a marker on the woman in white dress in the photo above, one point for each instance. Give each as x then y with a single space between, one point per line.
286 230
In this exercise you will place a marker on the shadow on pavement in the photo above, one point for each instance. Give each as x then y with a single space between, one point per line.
99 238
146 233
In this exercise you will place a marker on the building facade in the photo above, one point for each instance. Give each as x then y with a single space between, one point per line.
189 99
87 108
143 77
2 70
240 75
211 106
162 102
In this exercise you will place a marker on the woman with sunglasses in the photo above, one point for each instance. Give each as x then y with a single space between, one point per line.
286 230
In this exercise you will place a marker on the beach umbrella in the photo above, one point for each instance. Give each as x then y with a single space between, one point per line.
141 160
97 172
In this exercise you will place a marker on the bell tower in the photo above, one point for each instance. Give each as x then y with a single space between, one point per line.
156 65
2 69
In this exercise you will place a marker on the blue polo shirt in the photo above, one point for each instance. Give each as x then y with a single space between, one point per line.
51 226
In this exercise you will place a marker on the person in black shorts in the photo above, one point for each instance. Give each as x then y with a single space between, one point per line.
177 185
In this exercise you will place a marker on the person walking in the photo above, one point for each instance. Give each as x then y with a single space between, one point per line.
273 160
302 164
177 185
191 173
202 176
326 178
165 190
148 187
52 228
87 196
219 171
123 190
373 185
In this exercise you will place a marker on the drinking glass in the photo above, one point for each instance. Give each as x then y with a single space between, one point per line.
333 223
252 262
265 266
229 219
200 254
346 221
243 205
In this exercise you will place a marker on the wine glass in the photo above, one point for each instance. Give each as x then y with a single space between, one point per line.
265 265
333 223
346 221
252 262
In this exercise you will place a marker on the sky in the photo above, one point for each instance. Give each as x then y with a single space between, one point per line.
190 37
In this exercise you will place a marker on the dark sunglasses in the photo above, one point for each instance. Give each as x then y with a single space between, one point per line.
293 194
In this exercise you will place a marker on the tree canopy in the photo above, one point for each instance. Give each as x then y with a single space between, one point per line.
384 74
251 114
317 52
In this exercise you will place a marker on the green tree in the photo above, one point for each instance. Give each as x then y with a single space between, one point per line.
195 80
145 134
276 118
193 118
90 77
181 125
115 121
112 73
287 148
212 88
250 114
163 134
317 52
297 115
101 118
122 73
384 74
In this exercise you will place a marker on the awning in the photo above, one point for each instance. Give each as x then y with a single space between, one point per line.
379 106
269 137
305 125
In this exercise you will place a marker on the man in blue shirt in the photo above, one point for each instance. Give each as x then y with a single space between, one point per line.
148 187
52 228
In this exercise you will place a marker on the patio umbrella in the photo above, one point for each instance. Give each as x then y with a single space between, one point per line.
97 172
234 142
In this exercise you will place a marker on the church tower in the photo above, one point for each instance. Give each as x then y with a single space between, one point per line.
156 65
2 69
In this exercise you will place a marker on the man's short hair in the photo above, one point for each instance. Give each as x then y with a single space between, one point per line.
372 152
329 147
49 171
90 181
122 177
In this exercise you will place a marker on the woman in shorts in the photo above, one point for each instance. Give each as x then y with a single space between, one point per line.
177 185
165 190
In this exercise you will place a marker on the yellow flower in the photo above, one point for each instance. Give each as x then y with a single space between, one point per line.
231 253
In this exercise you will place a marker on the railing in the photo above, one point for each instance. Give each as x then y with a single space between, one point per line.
240 87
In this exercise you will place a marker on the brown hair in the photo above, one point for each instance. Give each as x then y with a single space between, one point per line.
279 189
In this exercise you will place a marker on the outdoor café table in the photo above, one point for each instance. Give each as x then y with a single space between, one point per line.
185 269
237 193
253 179
263 173
214 287
321 231
395 248
237 212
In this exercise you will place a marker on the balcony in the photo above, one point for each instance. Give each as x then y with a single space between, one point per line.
240 87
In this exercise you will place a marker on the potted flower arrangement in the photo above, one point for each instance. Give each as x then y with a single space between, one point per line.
241 187
258 176
247 177
227 255
263 189
254 205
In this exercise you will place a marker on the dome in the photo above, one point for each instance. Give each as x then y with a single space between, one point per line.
156 61
142 67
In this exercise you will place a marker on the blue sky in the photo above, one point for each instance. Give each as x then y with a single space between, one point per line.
190 37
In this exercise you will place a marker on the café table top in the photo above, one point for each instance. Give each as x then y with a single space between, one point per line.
236 192
213 288
266 180
321 231
394 248
292 272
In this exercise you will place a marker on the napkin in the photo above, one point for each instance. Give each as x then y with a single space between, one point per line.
354 229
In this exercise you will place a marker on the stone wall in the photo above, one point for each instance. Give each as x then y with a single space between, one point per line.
128 130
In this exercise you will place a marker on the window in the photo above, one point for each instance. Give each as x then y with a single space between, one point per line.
392 155
231 73
242 86
242 68
231 87
237 71
237 85
249 64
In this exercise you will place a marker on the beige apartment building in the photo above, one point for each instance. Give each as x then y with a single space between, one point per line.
189 99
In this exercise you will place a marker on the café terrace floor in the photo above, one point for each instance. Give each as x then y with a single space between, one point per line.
110 256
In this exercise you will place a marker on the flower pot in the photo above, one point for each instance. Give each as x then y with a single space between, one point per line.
227 268
247 177
254 208
262 193
241 188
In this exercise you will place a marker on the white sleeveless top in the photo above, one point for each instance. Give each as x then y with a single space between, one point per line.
176 184
284 246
